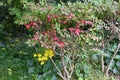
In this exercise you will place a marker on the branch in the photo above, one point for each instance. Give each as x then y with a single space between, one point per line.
112 59
102 56
61 76
59 72
66 73
71 71
71 67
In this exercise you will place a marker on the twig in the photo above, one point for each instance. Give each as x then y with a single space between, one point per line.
71 73
72 66
61 76
59 72
65 71
117 48
102 56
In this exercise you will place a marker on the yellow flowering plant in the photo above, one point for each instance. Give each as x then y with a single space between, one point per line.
42 58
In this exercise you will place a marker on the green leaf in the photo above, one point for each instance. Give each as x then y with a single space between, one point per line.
15 11
1 3
53 77
108 54
2 45
86 68
115 70
95 57
80 78
59 6
77 72
47 67
40 77
118 63
31 70
117 57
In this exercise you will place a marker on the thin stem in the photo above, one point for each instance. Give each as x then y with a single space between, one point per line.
65 71
102 56
61 76
112 59
45 2
59 72
72 66
71 72
34 47
102 59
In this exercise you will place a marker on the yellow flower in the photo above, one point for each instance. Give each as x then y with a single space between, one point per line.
46 54
35 55
50 51
39 55
39 59
42 62
44 58
51 55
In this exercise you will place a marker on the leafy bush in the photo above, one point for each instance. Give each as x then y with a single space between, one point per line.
74 35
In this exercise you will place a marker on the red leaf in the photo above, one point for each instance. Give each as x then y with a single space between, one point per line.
27 26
